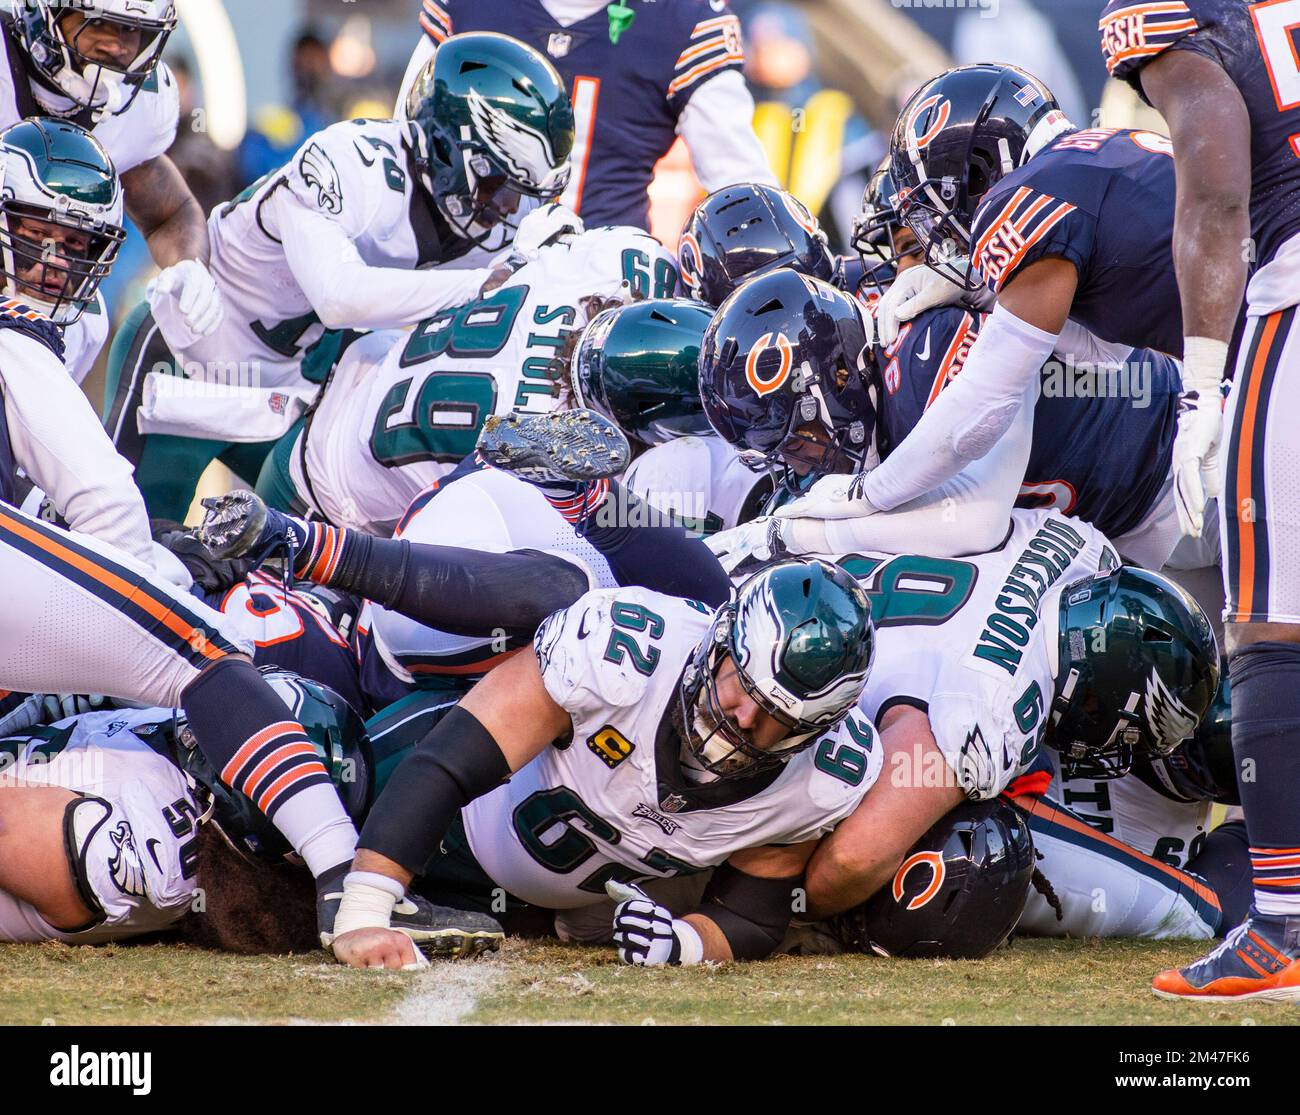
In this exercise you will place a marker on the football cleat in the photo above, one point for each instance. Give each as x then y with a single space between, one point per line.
1260 959
573 446
240 524
440 931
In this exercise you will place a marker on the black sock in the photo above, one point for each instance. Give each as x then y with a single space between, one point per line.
1265 681
645 547
1224 863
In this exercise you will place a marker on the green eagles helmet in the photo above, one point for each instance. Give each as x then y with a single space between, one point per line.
60 216
1202 768
339 737
801 637
638 365
496 125
103 61
1139 668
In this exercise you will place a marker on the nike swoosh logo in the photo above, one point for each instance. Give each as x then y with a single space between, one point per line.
924 354
582 627
149 845
362 155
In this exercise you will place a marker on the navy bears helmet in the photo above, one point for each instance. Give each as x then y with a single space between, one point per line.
959 893
742 231
786 376
959 135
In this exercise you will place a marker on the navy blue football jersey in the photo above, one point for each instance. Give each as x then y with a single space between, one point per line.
627 96
1101 454
1258 46
298 630
1104 200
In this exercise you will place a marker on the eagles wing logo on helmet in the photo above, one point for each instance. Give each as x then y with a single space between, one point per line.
526 153
942 112
1169 719
125 866
317 169
938 869
767 379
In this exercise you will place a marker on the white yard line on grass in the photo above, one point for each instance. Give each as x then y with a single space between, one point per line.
447 992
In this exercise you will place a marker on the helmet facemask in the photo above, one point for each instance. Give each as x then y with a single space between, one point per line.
799 638
75 61
60 218
713 743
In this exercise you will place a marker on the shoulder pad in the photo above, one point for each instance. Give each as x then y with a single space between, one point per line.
604 648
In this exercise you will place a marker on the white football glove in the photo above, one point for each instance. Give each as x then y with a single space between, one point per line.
543 225
1200 429
646 934
758 540
832 497
186 304
919 289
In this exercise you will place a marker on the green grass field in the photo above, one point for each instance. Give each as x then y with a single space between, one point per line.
1031 983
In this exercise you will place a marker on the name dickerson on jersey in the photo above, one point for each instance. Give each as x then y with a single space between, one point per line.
1046 556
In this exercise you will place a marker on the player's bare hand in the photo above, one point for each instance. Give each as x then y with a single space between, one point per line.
377 948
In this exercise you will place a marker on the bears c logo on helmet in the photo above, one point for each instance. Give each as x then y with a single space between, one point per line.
769 362
688 261
937 868
944 110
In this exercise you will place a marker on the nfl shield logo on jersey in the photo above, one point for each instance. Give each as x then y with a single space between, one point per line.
559 44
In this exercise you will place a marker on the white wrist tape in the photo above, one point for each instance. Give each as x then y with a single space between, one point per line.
692 943
368 901
1204 362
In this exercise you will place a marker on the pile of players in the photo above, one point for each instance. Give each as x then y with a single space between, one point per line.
923 685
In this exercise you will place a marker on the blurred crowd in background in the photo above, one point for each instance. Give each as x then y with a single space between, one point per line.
828 77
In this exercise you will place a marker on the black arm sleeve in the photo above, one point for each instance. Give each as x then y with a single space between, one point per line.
461 591
647 548
455 763
752 912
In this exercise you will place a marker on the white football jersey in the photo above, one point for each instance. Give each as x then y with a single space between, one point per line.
404 408
973 641
145 129
701 480
358 174
1117 862
491 511
612 803
84 339
135 834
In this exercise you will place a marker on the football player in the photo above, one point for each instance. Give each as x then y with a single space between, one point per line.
1058 222
104 817
638 366
98 63
1045 649
676 737
639 77
433 611
352 234
60 229
1223 75
1138 856
403 410
1112 469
